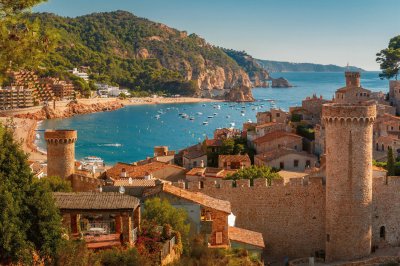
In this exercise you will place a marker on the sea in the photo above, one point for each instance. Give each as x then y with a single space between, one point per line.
129 134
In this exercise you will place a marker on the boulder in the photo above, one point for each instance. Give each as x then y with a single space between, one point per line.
280 83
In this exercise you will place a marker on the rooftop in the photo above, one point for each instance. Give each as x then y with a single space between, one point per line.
276 135
210 172
246 236
213 142
196 197
277 153
234 158
137 171
94 201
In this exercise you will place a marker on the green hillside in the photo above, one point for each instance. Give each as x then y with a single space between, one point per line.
139 54
276 66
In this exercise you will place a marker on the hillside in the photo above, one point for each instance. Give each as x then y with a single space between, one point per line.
258 76
142 55
276 66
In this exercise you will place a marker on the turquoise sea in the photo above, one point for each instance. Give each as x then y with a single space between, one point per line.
129 134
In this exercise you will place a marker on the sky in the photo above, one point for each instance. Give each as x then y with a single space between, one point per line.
313 31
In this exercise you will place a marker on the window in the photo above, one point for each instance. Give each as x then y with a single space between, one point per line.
328 238
218 238
308 163
377 146
382 232
282 165
296 163
194 163
278 115
383 147
201 184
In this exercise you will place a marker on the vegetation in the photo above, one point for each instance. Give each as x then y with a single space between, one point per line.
201 255
120 48
389 59
276 66
390 165
161 212
254 172
55 184
30 223
230 146
23 43
306 131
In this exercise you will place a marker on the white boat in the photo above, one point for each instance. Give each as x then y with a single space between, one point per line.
210 116
232 124
191 118
205 123
157 117
215 114
219 107
228 116
242 114
92 160
199 113
249 121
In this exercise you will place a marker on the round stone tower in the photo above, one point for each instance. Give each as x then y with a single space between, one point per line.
348 179
352 79
60 152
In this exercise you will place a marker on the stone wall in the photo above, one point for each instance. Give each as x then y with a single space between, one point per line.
82 183
386 204
290 216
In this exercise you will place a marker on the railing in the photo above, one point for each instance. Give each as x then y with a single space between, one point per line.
167 248
97 227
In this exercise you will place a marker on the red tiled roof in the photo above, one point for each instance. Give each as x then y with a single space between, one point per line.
276 135
136 182
277 153
246 236
193 154
137 171
213 142
234 158
268 124
196 197
346 89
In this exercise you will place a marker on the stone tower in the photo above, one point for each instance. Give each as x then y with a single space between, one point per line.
348 179
394 94
352 79
60 152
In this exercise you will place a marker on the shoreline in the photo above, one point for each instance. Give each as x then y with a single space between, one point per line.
26 124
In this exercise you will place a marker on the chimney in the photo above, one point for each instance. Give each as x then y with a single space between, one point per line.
124 173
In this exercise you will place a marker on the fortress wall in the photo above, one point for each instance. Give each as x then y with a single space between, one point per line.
290 216
386 209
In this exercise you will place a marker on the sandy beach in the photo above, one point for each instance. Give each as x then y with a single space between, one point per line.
24 128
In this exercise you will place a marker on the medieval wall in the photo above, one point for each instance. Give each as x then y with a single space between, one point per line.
290 216
386 211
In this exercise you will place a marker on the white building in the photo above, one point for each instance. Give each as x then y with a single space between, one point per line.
82 75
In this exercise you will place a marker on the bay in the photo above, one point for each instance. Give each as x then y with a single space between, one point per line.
129 134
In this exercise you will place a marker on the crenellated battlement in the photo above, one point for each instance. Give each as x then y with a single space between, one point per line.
389 181
257 183
60 136
349 113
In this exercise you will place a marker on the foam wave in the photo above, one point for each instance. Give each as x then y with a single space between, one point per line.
110 145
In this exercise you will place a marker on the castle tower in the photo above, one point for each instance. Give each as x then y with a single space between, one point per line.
394 94
348 223
352 79
60 152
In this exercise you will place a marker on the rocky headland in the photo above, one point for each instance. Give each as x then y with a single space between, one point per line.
71 109
280 83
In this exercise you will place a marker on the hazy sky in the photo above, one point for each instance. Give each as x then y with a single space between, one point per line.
317 31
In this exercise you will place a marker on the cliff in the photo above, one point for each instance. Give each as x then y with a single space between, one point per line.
136 53
276 66
259 77
70 110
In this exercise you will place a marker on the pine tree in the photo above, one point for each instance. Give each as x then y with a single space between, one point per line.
390 163
29 220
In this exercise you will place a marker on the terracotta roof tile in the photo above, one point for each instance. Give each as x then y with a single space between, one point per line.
213 142
234 158
197 197
276 135
277 153
136 182
137 171
94 201
246 236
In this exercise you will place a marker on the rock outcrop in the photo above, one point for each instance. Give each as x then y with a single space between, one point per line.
70 110
280 83
242 94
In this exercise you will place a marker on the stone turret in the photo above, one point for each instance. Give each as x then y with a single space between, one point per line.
352 79
60 152
348 179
